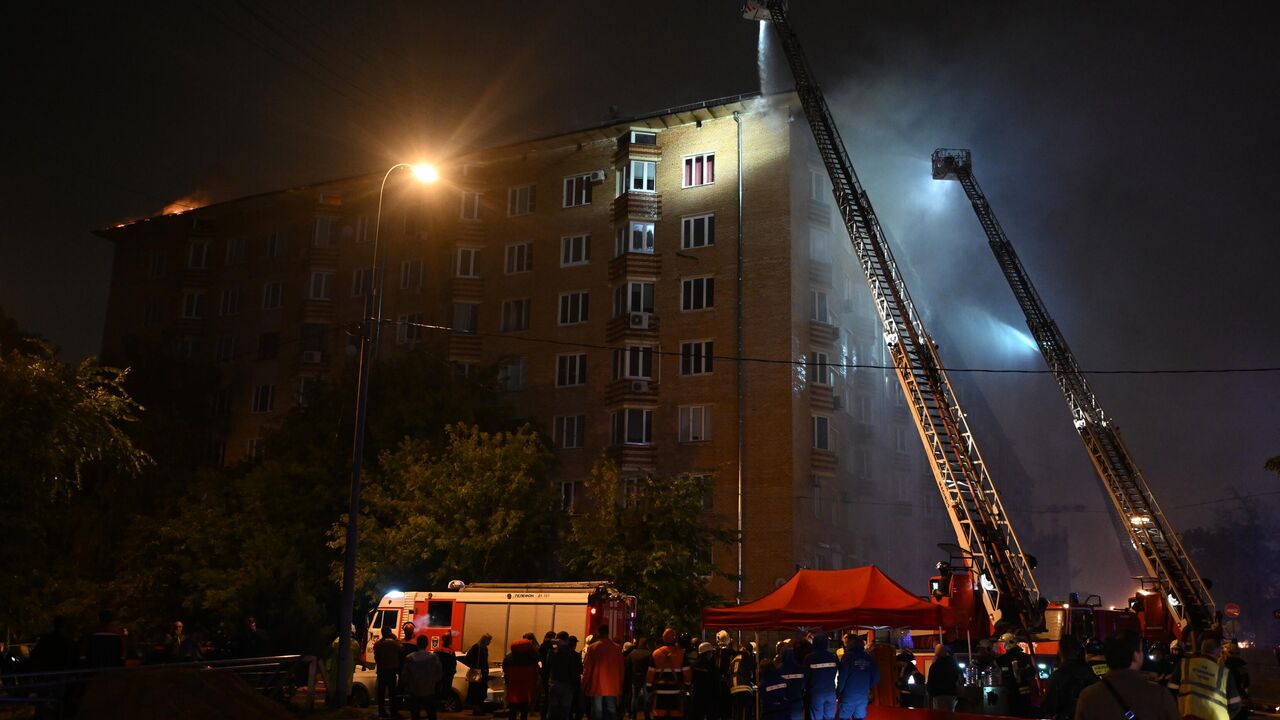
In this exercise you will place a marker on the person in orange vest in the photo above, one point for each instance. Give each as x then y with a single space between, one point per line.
1205 689
668 677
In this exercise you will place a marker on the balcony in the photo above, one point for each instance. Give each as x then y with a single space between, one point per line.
633 457
636 151
633 325
464 347
821 333
821 397
636 206
468 289
824 461
631 391
634 264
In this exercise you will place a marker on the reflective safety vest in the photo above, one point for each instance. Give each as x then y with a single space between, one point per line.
1202 692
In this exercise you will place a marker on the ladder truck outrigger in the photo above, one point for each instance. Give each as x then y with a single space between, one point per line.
988 546
1183 592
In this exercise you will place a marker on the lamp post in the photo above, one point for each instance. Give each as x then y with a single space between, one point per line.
368 334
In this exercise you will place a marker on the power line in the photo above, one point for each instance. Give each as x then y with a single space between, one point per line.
804 363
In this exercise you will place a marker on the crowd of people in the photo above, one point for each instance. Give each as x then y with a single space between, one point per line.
110 644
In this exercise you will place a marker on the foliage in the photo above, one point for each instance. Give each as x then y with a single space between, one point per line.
659 544
1273 465
481 509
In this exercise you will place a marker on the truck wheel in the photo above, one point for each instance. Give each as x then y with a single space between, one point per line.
359 695
451 702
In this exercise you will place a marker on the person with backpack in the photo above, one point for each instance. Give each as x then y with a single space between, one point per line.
1124 691
1071 677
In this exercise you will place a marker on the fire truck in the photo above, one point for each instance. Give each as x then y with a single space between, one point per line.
504 610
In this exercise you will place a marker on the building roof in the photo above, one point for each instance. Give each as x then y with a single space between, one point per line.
658 119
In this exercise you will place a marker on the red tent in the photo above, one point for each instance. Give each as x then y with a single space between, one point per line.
831 599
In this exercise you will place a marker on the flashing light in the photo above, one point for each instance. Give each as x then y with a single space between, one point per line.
393 594
1151 657
961 665
1042 666
1173 601
593 611
986 583
911 679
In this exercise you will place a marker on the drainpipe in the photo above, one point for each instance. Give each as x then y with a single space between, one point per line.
742 435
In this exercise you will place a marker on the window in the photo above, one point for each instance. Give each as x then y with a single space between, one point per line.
321 286
324 231
818 306
568 431
636 238
158 263
698 231
571 370
630 487
575 250
697 293
633 297
362 229
819 370
695 357
633 361
637 137
409 329
573 307
224 349
272 295
577 191
699 170
235 251
468 262
519 258
821 432
695 423
569 495
193 304
520 200
230 304
198 256
307 388
361 281
257 448
817 185
466 316
470 206
277 244
264 398
515 315
411 275
632 426
268 345
512 374
638 176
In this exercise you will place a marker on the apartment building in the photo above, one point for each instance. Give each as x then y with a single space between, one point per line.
649 250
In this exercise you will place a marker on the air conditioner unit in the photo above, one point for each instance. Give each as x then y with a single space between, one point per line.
640 320
640 386
596 176
312 356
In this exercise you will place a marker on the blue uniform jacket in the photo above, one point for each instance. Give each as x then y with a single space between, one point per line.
792 674
773 695
858 674
820 668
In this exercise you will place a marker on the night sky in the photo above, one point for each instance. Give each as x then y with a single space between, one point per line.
1129 153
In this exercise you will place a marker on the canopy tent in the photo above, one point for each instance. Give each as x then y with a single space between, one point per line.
832 599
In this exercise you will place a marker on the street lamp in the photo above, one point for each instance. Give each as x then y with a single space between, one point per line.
368 333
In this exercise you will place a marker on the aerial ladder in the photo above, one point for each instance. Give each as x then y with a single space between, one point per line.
985 537
1148 529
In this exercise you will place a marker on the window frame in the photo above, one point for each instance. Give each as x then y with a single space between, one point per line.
272 295
699 352
689 169
620 423
473 265
514 206
519 309
571 370
823 421
573 307
697 289
567 250
325 289
263 402
412 272
469 211
689 222
193 304
576 187
514 261
689 417
821 372
560 426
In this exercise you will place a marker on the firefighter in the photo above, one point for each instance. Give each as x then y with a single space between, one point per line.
1205 689
1095 658
667 678
820 679
791 672
1018 668
773 693
858 675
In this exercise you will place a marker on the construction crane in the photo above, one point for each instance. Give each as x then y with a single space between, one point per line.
1149 530
982 528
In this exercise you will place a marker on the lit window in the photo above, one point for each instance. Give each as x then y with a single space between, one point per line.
411 275
697 293
468 262
638 176
272 295
571 370
696 357
321 286
632 426
520 200
575 250
519 258
568 431
515 315
470 206
577 191
264 398
698 231
193 304
573 307
699 170
695 423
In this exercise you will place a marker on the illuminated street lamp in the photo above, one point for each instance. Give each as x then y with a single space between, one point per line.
368 333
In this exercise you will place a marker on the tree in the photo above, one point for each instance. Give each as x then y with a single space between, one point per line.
481 509
652 537
1273 465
